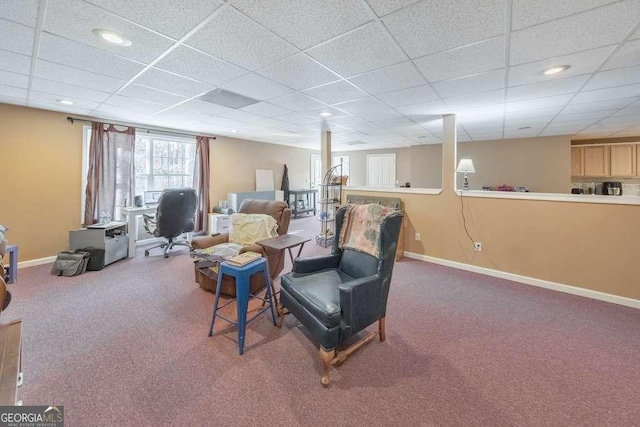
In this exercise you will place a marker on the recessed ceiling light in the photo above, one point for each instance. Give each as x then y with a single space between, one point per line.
233 131
556 70
525 127
65 101
112 37
325 114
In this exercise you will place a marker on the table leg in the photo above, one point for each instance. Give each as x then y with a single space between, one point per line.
242 294
132 230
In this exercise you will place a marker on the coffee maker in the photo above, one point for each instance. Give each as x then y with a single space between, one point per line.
612 188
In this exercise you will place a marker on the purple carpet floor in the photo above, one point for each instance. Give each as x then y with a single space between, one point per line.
128 346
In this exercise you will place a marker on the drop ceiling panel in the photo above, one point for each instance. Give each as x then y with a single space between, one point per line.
21 11
76 55
424 108
612 78
526 12
305 23
362 106
241 116
538 103
236 38
628 55
123 107
472 84
63 74
476 100
334 112
265 109
581 63
388 79
614 104
384 7
13 79
151 95
15 62
408 96
365 49
607 25
146 45
67 90
565 116
380 116
257 87
13 92
197 106
16 37
59 107
295 118
297 102
168 82
196 65
550 88
172 18
333 93
433 26
52 98
299 72
607 94
463 61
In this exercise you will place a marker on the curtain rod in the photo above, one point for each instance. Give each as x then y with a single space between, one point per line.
152 129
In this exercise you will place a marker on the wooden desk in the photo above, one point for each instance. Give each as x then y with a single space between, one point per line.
11 363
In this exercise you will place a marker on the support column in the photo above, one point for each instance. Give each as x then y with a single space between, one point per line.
449 152
325 148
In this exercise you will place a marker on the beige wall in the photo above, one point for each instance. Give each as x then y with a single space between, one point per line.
234 161
358 164
426 166
541 164
41 158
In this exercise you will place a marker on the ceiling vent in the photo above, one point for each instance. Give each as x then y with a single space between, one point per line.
227 99
356 143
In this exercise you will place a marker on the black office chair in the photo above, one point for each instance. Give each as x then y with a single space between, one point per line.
175 215
338 295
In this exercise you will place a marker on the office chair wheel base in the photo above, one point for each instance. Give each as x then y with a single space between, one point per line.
146 253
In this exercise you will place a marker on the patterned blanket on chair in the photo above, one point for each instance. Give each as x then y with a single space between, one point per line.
361 228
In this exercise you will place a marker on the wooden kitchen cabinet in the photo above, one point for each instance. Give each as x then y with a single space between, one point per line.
577 161
623 160
597 161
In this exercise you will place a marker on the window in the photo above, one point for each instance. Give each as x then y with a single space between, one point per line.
163 162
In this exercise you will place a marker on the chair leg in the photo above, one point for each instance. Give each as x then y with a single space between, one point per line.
325 357
381 329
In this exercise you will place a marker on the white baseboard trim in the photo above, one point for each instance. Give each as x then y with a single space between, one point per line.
588 293
37 261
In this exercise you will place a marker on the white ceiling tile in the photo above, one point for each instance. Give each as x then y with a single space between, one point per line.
613 104
463 61
240 115
68 90
305 23
56 106
52 98
334 112
530 12
472 84
362 106
151 95
299 72
388 79
296 118
13 92
21 11
196 65
62 73
539 103
580 124
11 100
476 100
265 109
384 7
607 94
628 111
558 132
433 26
146 45
607 25
612 78
525 133
525 112
13 79
15 62
381 116
424 108
359 51
581 63
236 38
565 116
257 87
172 18
168 82
197 106
408 96
76 55
628 55
297 101
550 88
16 38
333 93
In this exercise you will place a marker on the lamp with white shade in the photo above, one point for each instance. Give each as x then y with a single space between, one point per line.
466 166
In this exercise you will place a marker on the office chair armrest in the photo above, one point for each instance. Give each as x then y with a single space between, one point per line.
316 263
203 242
360 301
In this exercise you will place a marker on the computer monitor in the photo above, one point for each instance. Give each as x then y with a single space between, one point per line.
151 198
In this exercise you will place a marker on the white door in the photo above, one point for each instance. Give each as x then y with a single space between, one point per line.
381 170
345 164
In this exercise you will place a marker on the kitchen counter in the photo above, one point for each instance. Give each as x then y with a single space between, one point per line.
557 197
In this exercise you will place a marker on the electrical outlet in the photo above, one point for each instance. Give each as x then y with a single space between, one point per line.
417 236
477 246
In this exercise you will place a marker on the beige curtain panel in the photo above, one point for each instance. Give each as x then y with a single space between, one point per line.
201 182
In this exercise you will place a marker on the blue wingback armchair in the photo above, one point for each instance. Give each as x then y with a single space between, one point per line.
338 295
